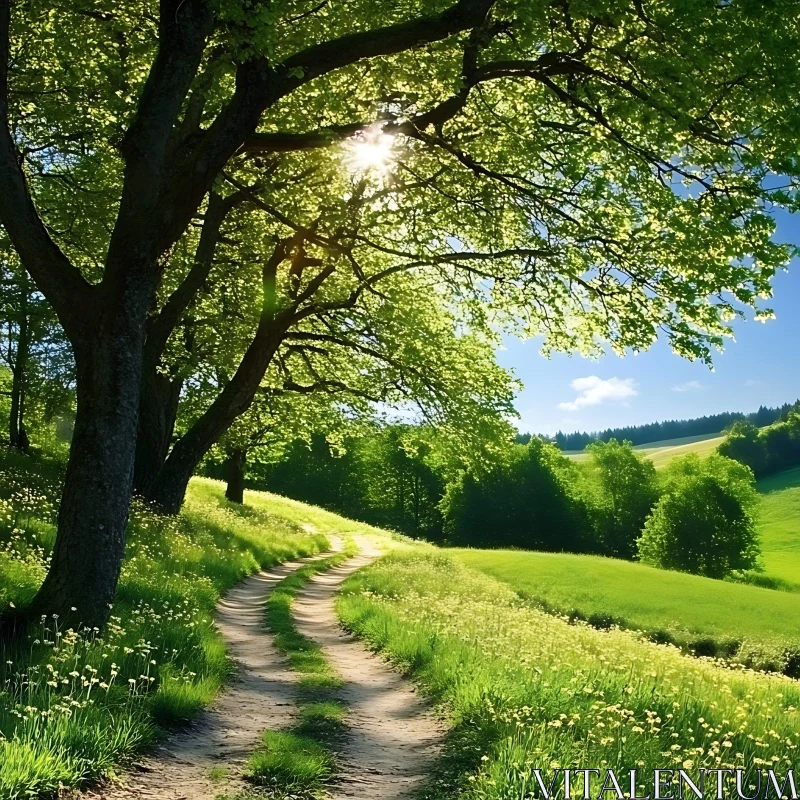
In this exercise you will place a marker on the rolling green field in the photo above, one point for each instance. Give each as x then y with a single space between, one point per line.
688 607
661 453
605 590
780 525
526 689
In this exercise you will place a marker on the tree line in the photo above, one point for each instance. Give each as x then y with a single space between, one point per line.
193 198
765 450
669 429
695 516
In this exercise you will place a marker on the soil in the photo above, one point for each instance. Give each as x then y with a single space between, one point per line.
392 737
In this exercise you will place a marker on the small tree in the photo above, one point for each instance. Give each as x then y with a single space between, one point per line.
625 491
705 521
743 444
529 501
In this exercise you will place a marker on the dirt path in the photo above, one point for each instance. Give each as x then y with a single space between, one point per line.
206 759
393 737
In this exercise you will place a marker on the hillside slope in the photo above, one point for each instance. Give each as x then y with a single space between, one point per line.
687 607
780 525
661 453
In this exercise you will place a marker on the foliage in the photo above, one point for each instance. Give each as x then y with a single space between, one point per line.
528 501
671 429
72 707
742 623
705 521
526 689
620 486
36 354
765 450
391 475
595 174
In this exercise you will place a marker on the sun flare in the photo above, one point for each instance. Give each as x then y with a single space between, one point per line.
371 149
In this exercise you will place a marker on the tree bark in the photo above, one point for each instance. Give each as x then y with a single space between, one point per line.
170 486
160 394
235 467
90 544
158 410
17 436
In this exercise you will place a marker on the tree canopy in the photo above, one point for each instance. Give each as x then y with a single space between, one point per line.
376 190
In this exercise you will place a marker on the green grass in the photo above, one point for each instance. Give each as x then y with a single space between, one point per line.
700 613
779 525
661 453
73 710
299 761
525 689
291 762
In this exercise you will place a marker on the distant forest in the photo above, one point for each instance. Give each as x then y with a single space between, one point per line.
671 429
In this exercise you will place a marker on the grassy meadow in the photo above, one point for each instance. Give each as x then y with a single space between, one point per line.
526 689
73 709
748 622
779 525
661 453
520 687
720 617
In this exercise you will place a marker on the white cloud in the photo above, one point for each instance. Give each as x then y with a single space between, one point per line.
691 386
593 391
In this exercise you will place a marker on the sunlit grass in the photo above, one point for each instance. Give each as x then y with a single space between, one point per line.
712 616
779 525
73 709
526 689
294 762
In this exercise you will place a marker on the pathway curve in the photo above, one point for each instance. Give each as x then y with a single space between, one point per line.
393 738
206 759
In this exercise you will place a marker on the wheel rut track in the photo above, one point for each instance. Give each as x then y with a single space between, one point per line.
261 696
392 738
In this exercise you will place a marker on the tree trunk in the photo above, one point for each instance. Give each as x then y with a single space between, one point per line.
170 486
90 544
235 473
158 410
17 436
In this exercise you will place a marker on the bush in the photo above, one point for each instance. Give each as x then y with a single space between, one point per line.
704 522
744 444
530 501
765 450
620 489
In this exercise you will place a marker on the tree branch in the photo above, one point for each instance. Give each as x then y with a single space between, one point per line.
259 86
183 30
59 280
162 326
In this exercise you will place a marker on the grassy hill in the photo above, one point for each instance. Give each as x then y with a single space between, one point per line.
605 590
661 453
520 686
688 609
780 525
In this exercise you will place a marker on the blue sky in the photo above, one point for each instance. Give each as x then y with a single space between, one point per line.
761 366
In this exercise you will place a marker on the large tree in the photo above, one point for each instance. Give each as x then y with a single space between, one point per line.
541 153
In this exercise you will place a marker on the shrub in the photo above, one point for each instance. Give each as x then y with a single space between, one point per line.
765 450
621 489
530 501
744 444
704 522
